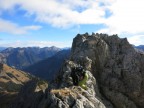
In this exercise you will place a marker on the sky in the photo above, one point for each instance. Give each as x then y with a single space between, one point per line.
46 23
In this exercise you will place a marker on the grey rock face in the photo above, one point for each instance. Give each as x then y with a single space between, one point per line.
117 67
60 95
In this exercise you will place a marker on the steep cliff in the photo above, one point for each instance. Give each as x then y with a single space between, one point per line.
116 77
116 65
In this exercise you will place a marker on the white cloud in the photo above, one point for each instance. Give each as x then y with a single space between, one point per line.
136 40
10 27
60 13
126 20
127 14
19 43
127 17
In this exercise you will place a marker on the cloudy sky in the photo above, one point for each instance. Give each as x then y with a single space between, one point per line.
56 22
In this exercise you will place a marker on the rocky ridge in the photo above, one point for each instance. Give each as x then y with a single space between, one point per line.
60 95
116 65
116 77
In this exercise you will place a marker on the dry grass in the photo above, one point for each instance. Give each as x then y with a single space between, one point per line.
12 79
17 76
8 93
64 92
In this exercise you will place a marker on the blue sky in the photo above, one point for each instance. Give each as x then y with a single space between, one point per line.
56 22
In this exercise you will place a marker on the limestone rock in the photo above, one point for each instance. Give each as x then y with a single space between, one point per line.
116 65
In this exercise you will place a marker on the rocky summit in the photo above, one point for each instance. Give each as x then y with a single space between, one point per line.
116 77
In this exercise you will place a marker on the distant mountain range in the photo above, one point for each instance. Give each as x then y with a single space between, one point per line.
48 68
141 47
23 57
2 48
41 62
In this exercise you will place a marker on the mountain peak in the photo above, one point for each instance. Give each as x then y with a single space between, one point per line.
21 58
115 71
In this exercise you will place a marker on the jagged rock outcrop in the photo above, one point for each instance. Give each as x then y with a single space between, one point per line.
60 94
117 67
116 77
